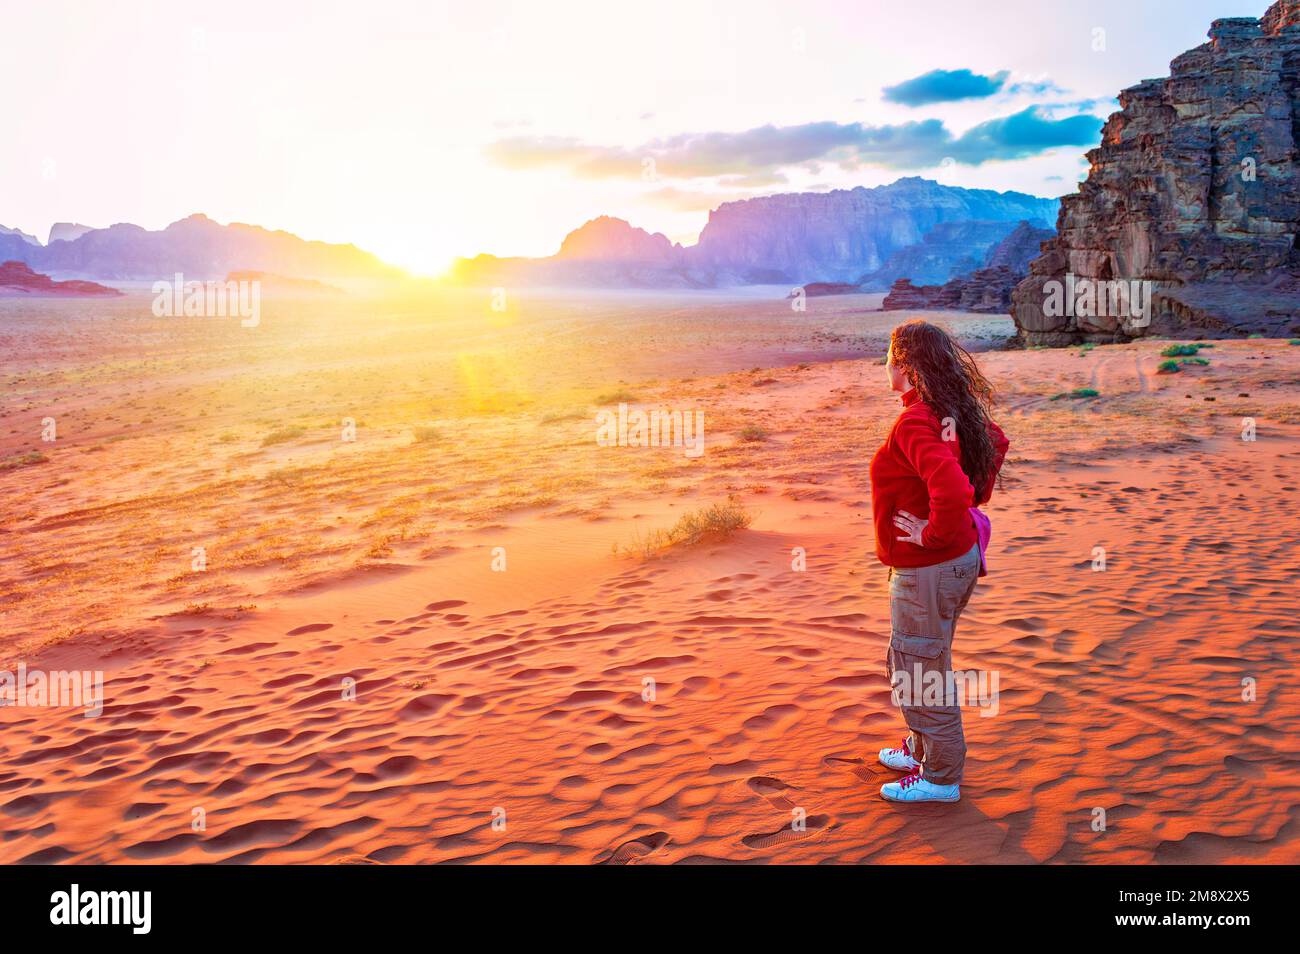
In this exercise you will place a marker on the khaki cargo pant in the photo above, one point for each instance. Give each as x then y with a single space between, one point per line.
924 603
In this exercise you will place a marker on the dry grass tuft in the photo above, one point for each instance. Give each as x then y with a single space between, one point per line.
714 522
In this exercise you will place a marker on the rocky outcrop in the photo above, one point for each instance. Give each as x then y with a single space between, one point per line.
196 247
987 289
17 280
607 239
1192 204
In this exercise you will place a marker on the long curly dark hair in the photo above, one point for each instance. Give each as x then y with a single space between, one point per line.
947 378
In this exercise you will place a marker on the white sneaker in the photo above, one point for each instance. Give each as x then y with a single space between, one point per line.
899 759
913 788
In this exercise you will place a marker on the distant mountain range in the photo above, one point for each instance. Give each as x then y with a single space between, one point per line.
29 239
868 237
913 228
197 247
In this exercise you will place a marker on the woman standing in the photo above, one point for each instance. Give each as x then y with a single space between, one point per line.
936 467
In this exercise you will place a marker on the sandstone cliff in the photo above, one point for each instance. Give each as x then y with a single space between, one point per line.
1195 189
840 236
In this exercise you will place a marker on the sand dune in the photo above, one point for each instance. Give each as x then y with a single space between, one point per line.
603 707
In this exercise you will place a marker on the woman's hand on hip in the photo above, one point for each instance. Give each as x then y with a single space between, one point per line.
911 525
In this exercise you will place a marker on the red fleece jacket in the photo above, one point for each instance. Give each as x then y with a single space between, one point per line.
918 471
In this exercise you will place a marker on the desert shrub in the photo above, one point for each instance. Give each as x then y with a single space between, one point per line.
619 396
716 521
555 417
1168 367
1077 394
424 434
284 434
25 459
1179 350
752 432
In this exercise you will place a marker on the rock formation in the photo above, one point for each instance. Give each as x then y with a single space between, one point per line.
947 250
987 289
608 239
602 253
1192 202
838 236
1021 246
17 280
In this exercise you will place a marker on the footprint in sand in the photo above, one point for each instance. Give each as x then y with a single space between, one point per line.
843 761
637 849
773 789
865 771
310 628
813 825
443 605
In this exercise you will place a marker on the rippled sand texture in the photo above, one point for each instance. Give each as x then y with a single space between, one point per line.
350 680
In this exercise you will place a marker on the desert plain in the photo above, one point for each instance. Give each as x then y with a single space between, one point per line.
364 587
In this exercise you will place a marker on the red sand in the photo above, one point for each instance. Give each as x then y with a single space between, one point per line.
481 692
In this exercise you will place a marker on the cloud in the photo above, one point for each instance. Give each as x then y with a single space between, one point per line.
755 154
1102 106
1023 134
1043 87
945 86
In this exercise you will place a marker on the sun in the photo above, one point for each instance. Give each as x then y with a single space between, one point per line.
420 254
421 264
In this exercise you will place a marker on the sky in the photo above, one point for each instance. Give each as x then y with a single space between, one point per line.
427 130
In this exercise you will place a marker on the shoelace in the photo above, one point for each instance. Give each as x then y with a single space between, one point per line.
903 749
910 780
